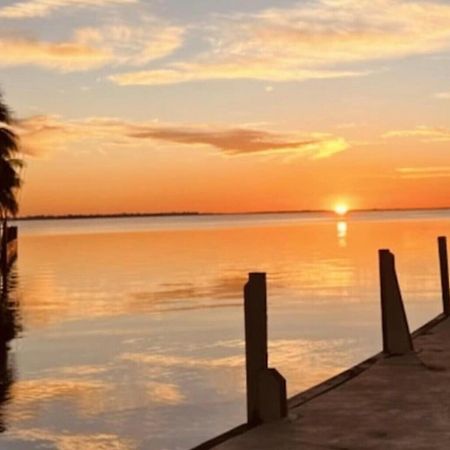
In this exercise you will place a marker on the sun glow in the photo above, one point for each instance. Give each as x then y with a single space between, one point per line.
342 230
341 209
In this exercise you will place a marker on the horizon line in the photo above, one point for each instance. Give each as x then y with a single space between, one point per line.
200 213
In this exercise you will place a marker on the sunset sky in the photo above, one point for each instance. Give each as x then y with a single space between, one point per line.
227 105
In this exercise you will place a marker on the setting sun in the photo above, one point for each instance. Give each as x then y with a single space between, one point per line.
341 209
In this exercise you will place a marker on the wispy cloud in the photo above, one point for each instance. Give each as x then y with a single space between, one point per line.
40 8
146 41
95 47
424 172
317 39
309 40
239 141
40 134
185 72
424 133
65 56
442 95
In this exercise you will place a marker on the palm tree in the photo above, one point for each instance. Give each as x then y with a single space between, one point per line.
9 167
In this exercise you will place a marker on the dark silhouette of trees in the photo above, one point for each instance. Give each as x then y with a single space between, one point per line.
10 182
10 165
10 326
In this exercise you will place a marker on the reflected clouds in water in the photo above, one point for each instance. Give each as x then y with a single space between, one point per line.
42 438
126 332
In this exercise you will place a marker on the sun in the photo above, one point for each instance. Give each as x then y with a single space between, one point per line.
341 209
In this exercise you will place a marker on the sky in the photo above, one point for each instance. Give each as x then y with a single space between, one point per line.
228 106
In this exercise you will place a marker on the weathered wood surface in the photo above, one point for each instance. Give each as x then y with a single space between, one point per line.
393 402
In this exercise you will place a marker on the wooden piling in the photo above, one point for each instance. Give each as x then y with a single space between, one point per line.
396 335
255 305
443 264
266 388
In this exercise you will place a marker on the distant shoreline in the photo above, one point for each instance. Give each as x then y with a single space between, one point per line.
203 214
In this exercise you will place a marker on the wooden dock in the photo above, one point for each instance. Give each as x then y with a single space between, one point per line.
398 399
388 402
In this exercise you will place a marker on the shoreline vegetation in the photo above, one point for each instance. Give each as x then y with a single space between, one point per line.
204 214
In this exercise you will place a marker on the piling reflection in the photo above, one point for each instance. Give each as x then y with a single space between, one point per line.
9 327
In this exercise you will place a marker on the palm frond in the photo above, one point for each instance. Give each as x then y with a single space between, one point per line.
8 142
5 112
10 165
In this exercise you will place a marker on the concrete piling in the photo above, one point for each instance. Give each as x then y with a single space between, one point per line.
396 335
272 395
443 263
266 388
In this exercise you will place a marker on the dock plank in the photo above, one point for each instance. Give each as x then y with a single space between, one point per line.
397 402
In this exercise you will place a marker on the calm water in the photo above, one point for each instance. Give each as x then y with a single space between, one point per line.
121 334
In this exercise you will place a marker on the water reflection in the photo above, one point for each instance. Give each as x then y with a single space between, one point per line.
131 331
35 438
342 229
9 327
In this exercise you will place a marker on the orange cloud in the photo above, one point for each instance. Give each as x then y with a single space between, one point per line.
39 8
65 56
40 134
424 172
238 141
309 40
151 39
92 48
442 95
425 133
185 72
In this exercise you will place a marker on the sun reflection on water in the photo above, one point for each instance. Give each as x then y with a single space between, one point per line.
342 230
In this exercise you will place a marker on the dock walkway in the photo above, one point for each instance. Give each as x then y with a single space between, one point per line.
398 399
389 402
